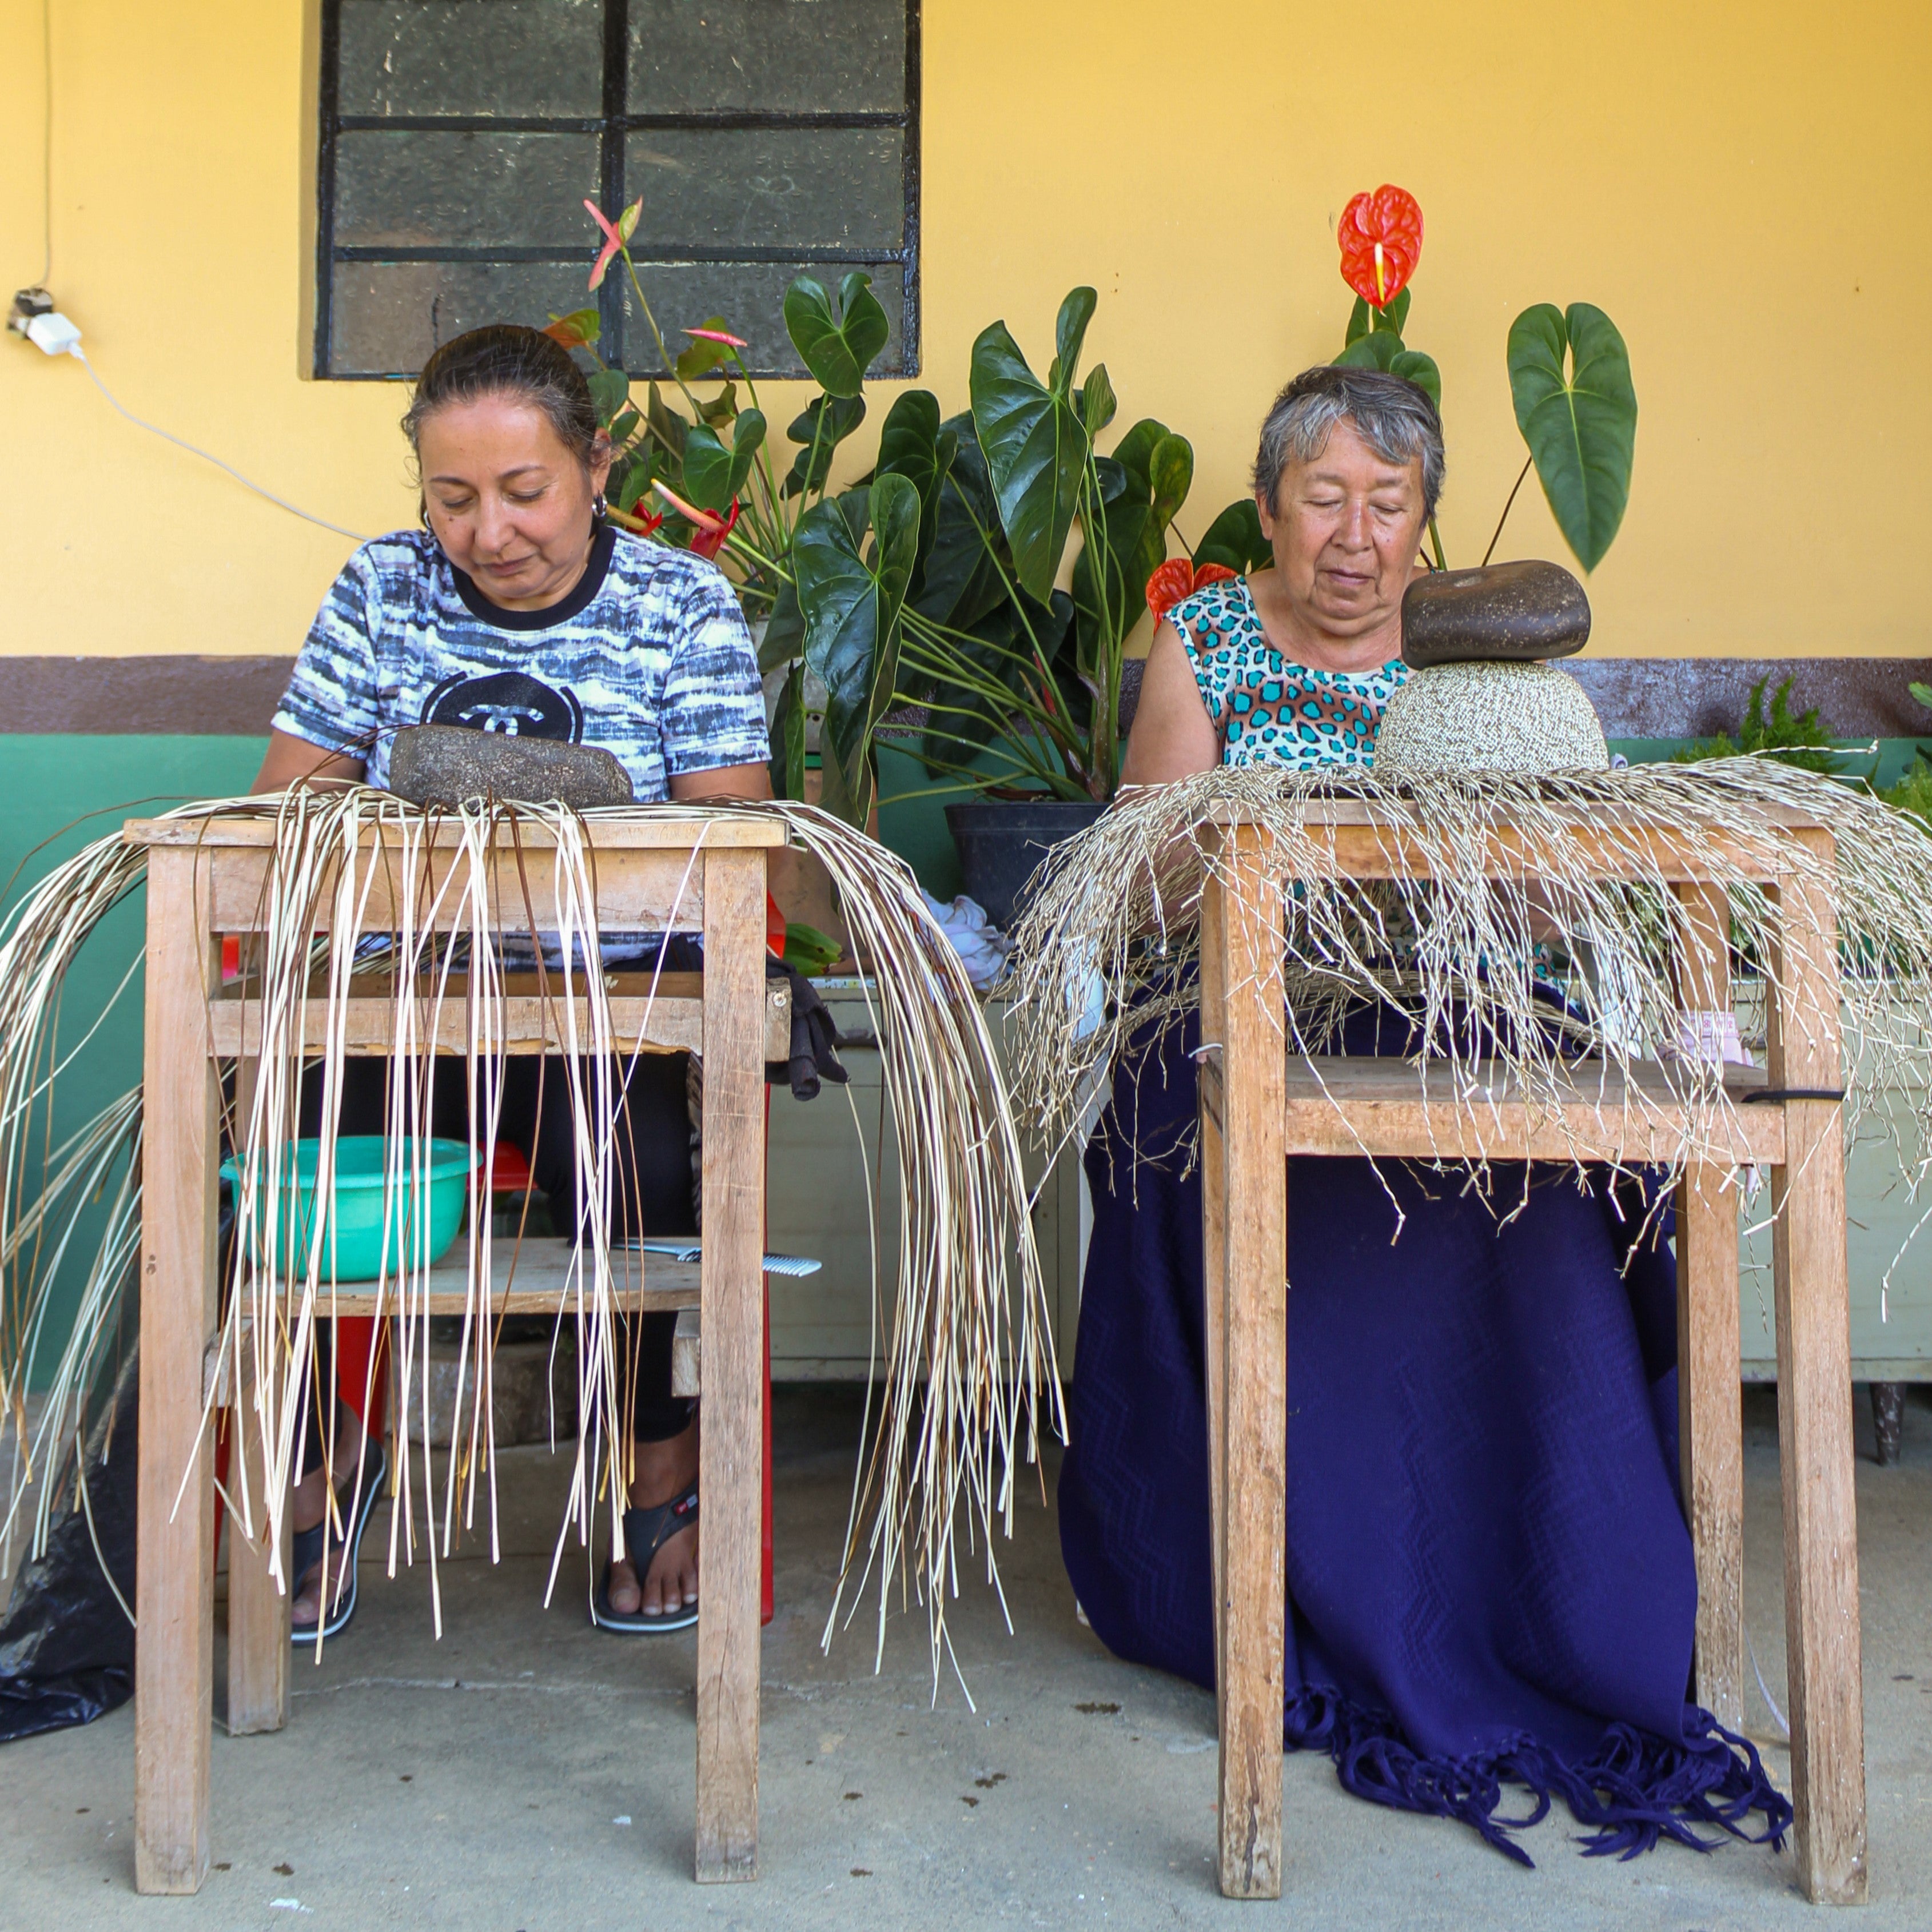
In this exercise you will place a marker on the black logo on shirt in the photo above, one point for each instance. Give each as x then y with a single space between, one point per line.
507 702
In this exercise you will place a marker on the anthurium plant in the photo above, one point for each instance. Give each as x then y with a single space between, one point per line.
1569 372
694 463
942 570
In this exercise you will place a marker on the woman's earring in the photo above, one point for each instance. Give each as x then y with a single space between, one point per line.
599 509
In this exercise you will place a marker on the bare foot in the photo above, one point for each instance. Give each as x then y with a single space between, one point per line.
661 1472
307 1500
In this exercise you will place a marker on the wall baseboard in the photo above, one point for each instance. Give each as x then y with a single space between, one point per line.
1636 697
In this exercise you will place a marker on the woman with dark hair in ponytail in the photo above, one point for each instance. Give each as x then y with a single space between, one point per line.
519 608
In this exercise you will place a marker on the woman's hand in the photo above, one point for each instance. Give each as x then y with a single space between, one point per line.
293 760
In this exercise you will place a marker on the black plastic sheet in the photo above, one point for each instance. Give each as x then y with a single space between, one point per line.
67 1647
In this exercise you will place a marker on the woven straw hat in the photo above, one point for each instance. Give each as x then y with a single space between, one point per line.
1516 718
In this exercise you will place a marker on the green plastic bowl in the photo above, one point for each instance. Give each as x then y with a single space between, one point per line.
356 1224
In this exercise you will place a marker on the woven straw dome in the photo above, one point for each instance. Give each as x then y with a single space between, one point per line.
1518 718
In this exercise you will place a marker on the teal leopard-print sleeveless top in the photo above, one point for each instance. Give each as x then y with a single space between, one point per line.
1269 711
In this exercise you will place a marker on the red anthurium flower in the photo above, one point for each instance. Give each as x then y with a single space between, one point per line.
712 531
614 238
1177 578
719 335
1380 236
565 331
641 523
709 543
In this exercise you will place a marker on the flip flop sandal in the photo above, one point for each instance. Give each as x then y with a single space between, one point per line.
306 1547
646 1532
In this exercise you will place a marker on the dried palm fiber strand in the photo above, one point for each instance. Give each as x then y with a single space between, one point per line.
1111 934
969 1365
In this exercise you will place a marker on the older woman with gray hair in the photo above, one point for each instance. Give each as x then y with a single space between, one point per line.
1490 1580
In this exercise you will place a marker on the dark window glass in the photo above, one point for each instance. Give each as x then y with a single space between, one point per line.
461 138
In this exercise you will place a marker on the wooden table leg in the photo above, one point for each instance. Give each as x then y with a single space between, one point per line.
1213 1157
174 1656
1710 1433
1814 1407
258 1607
1710 1412
1244 908
731 1286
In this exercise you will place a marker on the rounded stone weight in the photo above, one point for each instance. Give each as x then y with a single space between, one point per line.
444 764
1508 614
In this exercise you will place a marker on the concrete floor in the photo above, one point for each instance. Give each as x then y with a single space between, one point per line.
528 1774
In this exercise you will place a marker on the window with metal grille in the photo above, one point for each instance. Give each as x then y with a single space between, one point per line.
460 138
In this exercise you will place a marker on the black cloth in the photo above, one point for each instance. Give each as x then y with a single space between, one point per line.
814 1039
67 1646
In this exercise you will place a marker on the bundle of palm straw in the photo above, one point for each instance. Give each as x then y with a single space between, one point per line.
969 1364
1106 947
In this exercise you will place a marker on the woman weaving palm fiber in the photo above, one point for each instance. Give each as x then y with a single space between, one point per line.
519 607
1489 1576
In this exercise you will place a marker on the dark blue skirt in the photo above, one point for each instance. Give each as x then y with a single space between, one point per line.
1490 1580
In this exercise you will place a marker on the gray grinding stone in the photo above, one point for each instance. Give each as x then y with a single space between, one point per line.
1509 613
444 764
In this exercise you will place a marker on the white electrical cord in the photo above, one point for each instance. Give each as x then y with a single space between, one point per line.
80 355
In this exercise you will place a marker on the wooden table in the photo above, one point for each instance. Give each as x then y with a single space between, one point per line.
205 881
1261 1104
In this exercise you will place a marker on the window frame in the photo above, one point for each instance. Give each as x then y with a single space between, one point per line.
613 126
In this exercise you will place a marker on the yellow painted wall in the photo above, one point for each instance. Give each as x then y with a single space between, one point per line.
1747 190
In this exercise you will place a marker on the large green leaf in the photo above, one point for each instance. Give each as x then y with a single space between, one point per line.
851 594
1381 350
1170 475
838 348
961 580
818 430
610 393
1363 320
787 736
912 445
707 469
1234 540
1569 376
1035 444
1134 452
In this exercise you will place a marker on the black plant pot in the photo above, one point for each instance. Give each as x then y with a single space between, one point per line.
1001 841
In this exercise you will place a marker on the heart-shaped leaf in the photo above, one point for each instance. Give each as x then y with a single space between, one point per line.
1098 402
1363 320
1380 350
1134 452
1170 477
1036 448
961 580
819 429
707 469
1570 377
1070 331
837 348
610 393
748 432
1235 539
787 736
912 445
579 329
851 598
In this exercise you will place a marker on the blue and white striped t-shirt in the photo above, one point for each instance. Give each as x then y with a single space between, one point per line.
648 657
